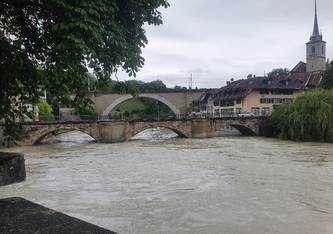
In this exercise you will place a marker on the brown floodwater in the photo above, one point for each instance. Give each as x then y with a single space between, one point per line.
159 183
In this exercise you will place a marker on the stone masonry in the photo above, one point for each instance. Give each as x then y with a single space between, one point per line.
122 131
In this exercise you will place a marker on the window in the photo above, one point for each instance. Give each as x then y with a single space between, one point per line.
264 91
265 100
255 110
227 112
265 111
227 103
276 100
286 99
322 49
216 103
238 101
313 50
238 110
288 91
277 91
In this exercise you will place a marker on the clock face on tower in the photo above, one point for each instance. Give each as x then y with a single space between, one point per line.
313 58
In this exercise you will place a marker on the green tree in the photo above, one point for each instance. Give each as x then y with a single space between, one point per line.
81 107
150 106
309 117
50 44
45 112
327 81
164 109
279 72
158 85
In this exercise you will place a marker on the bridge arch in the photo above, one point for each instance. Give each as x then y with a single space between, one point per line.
140 127
42 133
113 106
242 127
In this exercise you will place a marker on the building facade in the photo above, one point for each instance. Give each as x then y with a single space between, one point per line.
259 95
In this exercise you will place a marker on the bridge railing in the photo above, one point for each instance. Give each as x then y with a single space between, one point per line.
80 118
140 117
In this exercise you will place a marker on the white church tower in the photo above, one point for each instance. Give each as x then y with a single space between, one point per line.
316 49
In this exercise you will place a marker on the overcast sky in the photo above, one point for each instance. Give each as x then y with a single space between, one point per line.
221 39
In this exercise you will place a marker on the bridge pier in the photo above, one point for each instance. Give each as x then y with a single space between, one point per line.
112 132
200 128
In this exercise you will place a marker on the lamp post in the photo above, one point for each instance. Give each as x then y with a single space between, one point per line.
59 112
158 111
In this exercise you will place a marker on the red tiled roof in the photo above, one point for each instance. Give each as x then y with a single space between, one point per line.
241 88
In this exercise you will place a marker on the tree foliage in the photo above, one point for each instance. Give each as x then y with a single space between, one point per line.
45 111
50 43
309 117
153 106
327 81
279 72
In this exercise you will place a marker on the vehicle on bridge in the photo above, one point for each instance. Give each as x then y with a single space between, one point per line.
246 114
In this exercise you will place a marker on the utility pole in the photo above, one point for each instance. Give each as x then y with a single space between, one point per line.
190 82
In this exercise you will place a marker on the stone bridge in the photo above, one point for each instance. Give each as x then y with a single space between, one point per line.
177 100
122 131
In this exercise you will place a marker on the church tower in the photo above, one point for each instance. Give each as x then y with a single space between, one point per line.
316 49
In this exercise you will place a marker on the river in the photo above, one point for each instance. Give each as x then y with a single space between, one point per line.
159 183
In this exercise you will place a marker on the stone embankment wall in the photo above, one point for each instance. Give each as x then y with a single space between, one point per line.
12 168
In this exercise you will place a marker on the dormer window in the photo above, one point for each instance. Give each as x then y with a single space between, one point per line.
269 82
288 82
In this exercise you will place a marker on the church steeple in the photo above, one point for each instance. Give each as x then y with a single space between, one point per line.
316 36
316 49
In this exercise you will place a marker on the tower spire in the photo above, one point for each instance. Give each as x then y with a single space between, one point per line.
315 33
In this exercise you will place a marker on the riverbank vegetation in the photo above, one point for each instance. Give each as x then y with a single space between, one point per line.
309 117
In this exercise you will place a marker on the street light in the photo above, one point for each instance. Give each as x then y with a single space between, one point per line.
158 111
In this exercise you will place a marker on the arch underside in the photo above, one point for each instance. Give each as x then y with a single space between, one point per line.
113 106
45 133
244 130
180 134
